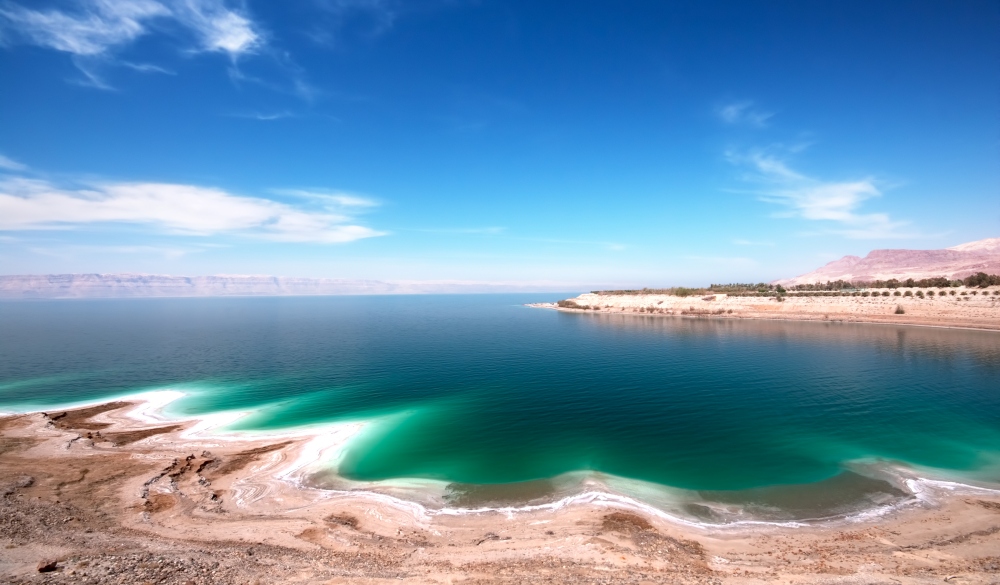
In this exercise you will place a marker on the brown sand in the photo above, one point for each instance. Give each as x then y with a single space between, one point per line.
968 311
163 506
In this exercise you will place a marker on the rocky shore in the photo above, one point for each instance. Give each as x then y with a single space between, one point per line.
96 496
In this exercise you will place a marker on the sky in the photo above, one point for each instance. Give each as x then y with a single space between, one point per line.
578 143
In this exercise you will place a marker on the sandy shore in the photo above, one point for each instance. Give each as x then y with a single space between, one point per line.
968 311
110 494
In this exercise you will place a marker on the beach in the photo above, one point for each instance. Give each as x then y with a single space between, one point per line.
968 308
110 494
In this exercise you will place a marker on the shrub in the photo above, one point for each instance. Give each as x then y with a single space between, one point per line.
568 305
908 294
897 293
930 293
885 293
899 310
982 280
974 292
865 294
951 292
920 293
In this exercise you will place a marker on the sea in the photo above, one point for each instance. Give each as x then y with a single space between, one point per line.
475 402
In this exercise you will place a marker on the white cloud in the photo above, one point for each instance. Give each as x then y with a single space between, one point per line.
11 165
96 28
744 113
32 204
812 199
219 28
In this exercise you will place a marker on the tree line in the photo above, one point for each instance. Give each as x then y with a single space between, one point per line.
978 280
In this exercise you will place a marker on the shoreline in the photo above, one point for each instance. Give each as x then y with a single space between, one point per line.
182 482
975 313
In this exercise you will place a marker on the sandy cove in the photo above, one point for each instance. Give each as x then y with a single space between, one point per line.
104 494
968 311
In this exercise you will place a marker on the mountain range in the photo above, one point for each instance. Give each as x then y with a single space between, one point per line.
955 262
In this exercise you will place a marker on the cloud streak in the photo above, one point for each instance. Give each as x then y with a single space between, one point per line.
808 198
95 29
11 164
34 204
744 114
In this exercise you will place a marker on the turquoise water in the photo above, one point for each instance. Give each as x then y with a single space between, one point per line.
481 391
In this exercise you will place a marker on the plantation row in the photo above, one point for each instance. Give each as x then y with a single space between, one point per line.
978 280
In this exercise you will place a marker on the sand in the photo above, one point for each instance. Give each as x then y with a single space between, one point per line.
111 494
968 311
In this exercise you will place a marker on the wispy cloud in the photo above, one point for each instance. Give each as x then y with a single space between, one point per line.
36 204
336 198
265 117
11 165
147 68
837 203
744 113
373 17
72 252
95 29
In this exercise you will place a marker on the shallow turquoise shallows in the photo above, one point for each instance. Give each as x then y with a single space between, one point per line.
486 391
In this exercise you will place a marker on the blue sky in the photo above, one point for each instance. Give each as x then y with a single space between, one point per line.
573 143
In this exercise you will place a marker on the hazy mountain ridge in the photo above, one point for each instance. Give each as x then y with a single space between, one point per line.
54 286
955 262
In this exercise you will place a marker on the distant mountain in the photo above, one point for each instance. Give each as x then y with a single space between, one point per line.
52 286
955 262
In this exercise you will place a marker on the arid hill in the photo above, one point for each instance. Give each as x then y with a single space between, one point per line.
955 262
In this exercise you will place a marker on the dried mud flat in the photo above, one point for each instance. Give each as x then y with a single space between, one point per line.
94 496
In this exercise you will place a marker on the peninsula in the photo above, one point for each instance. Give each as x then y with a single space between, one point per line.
956 287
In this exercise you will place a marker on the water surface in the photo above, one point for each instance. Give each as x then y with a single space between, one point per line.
480 391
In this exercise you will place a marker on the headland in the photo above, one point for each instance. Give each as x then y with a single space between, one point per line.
959 307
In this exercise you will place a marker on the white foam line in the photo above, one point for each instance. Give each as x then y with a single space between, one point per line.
421 512
924 488
336 436
318 449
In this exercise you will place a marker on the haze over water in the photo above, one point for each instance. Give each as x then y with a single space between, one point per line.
478 390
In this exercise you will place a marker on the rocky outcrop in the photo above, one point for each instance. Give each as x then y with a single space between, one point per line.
955 262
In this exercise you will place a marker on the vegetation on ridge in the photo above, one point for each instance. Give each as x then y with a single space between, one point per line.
980 280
